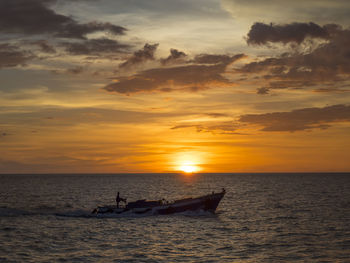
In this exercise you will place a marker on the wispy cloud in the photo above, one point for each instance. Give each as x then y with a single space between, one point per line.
12 56
98 46
300 119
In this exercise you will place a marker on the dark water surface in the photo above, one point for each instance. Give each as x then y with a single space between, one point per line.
262 218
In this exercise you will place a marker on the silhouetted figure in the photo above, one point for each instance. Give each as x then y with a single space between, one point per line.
118 199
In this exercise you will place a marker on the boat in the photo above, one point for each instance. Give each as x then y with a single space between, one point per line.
207 202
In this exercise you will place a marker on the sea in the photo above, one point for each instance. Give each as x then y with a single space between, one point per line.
262 218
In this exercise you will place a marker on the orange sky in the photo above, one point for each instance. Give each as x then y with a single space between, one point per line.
158 86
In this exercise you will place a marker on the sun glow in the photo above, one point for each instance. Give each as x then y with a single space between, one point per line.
188 168
187 162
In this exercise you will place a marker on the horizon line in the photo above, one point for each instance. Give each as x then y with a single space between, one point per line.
182 173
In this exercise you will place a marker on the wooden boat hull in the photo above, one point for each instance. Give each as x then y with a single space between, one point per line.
206 203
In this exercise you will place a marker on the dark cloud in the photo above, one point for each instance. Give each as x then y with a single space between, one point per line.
76 70
175 56
215 59
269 63
299 120
290 83
76 30
225 127
326 64
64 116
216 115
261 34
215 124
140 56
3 134
189 77
262 91
337 90
44 46
12 56
94 47
296 120
34 17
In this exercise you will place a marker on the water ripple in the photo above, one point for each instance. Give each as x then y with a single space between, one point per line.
263 218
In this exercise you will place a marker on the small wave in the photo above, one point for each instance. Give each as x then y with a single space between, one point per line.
130 214
198 213
13 212
49 208
76 213
45 208
225 248
8 229
286 217
223 229
37 211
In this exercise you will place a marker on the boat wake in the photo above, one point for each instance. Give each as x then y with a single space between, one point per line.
81 213
13 212
131 214
199 206
42 211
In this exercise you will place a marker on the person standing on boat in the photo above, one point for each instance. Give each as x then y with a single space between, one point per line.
118 199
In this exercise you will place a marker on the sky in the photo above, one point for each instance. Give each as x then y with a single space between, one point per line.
125 86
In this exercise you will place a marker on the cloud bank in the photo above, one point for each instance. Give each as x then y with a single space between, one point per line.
192 77
326 64
30 17
261 33
300 119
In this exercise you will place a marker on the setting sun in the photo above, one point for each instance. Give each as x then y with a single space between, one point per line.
188 168
188 162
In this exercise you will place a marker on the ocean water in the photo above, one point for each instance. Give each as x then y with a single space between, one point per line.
262 218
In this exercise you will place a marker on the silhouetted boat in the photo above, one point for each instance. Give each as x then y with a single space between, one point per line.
206 203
